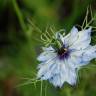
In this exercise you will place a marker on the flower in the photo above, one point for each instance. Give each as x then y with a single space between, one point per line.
62 64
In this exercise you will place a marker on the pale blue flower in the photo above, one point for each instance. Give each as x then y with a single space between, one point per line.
59 66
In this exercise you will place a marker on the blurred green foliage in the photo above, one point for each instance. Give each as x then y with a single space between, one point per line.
20 44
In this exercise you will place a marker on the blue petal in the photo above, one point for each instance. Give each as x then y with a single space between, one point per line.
57 72
68 73
72 77
55 80
46 55
90 53
50 48
83 40
58 77
76 59
45 69
74 31
68 39
64 74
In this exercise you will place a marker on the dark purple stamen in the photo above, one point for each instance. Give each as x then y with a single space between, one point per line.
63 53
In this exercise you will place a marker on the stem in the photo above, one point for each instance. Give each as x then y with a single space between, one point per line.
19 15
89 23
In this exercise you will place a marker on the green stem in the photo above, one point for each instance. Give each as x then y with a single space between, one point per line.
19 15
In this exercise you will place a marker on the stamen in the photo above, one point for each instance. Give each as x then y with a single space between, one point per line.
63 53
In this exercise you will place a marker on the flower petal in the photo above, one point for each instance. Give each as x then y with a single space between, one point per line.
68 39
46 55
89 53
50 48
45 69
70 76
58 77
73 35
64 74
83 40
71 79
76 59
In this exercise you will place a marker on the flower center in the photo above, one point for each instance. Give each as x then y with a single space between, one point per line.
63 53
